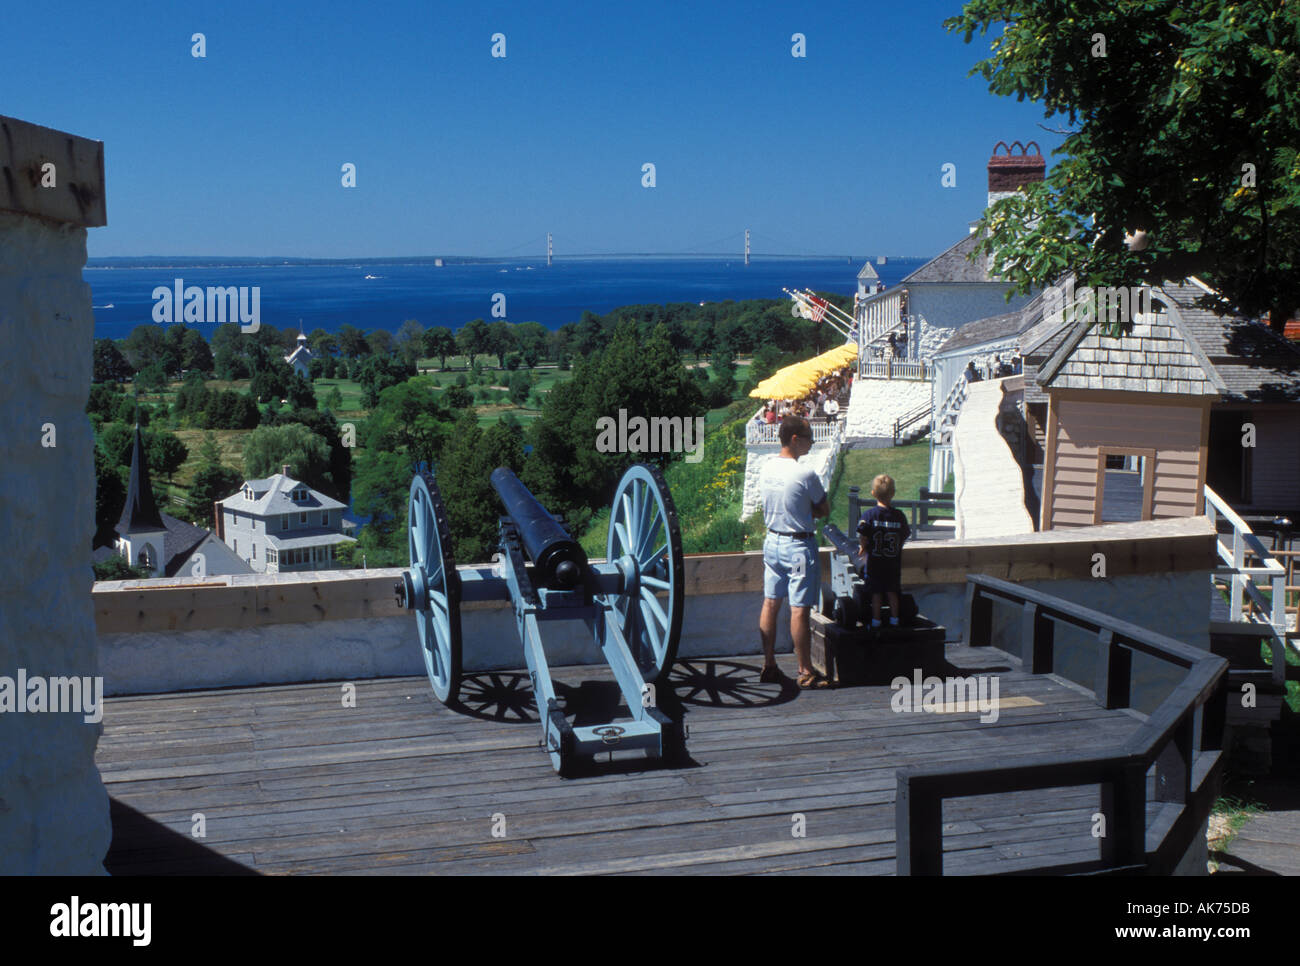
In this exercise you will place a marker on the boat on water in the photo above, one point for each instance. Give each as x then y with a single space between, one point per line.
374 276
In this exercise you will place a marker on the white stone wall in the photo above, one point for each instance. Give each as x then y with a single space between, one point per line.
821 458
53 808
874 406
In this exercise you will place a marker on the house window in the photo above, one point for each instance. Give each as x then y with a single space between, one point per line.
284 521
325 518
236 546
303 519
254 551
1125 485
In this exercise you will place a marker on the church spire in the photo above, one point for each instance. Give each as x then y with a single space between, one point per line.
140 512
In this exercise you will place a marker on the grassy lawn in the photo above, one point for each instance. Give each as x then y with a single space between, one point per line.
909 466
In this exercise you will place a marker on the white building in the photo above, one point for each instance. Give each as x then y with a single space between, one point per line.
300 358
280 524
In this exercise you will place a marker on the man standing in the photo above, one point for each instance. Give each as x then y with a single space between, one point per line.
792 497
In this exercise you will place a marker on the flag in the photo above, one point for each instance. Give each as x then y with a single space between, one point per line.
822 305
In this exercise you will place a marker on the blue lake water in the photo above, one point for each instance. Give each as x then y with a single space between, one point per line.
329 296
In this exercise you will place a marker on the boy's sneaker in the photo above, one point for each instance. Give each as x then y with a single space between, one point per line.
770 675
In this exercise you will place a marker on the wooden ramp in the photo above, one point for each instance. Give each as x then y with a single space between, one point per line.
288 781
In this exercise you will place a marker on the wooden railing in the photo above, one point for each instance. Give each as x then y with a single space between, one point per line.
919 510
895 369
1246 601
1187 770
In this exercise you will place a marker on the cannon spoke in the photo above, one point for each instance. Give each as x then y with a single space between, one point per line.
649 581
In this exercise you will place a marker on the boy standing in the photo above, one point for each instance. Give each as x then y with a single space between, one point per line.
882 531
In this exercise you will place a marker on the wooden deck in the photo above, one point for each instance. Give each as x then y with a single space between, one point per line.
290 782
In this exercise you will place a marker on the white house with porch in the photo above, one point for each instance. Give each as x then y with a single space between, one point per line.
281 524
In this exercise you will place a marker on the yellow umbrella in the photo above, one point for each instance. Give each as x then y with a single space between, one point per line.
797 380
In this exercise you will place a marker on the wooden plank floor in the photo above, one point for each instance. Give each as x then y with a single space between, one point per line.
288 781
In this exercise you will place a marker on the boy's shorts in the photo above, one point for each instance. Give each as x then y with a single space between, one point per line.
883 580
779 555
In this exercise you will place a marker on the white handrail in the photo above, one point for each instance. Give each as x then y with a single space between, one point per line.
1243 580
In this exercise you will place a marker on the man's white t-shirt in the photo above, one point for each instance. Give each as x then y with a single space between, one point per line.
789 491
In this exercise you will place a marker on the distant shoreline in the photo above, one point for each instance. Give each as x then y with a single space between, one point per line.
218 261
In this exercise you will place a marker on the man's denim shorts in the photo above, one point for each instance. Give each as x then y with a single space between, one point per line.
779 578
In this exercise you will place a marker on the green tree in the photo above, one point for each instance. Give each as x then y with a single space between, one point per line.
268 448
501 340
196 356
212 482
464 479
151 378
566 469
531 338
165 453
352 342
458 397
440 342
110 497
323 344
300 393
1185 139
109 363
520 386
410 342
472 338
380 342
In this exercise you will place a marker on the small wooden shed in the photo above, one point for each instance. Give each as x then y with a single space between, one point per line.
1128 421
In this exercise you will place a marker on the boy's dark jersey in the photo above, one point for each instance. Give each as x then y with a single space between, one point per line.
885 530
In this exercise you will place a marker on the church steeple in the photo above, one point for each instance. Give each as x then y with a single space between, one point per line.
140 513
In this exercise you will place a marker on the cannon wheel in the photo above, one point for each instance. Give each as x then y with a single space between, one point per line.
643 525
438 622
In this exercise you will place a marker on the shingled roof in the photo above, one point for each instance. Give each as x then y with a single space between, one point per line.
952 266
1187 349
995 327
271 495
868 273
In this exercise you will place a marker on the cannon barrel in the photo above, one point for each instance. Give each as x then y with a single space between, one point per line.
841 543
559 559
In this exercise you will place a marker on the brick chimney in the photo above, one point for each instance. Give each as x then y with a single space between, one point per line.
284 468
1010 172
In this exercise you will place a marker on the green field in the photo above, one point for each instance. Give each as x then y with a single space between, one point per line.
909 466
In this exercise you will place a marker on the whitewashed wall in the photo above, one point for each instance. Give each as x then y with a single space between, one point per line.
53 808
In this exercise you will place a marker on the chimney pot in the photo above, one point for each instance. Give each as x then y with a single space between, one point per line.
285 469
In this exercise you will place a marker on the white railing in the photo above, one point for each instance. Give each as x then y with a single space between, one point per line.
896 369
941 465
880 315
949 411
1244 582
758 434
945 419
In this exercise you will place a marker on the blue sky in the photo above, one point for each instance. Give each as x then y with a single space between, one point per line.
457 152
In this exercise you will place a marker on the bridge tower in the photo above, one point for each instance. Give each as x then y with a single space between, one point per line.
549 250
746 246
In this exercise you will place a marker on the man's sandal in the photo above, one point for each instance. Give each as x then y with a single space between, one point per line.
770 675
812 681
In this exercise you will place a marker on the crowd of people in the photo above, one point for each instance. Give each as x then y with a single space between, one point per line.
827 399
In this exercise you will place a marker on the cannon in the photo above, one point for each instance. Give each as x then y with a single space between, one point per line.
844 601
632 603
